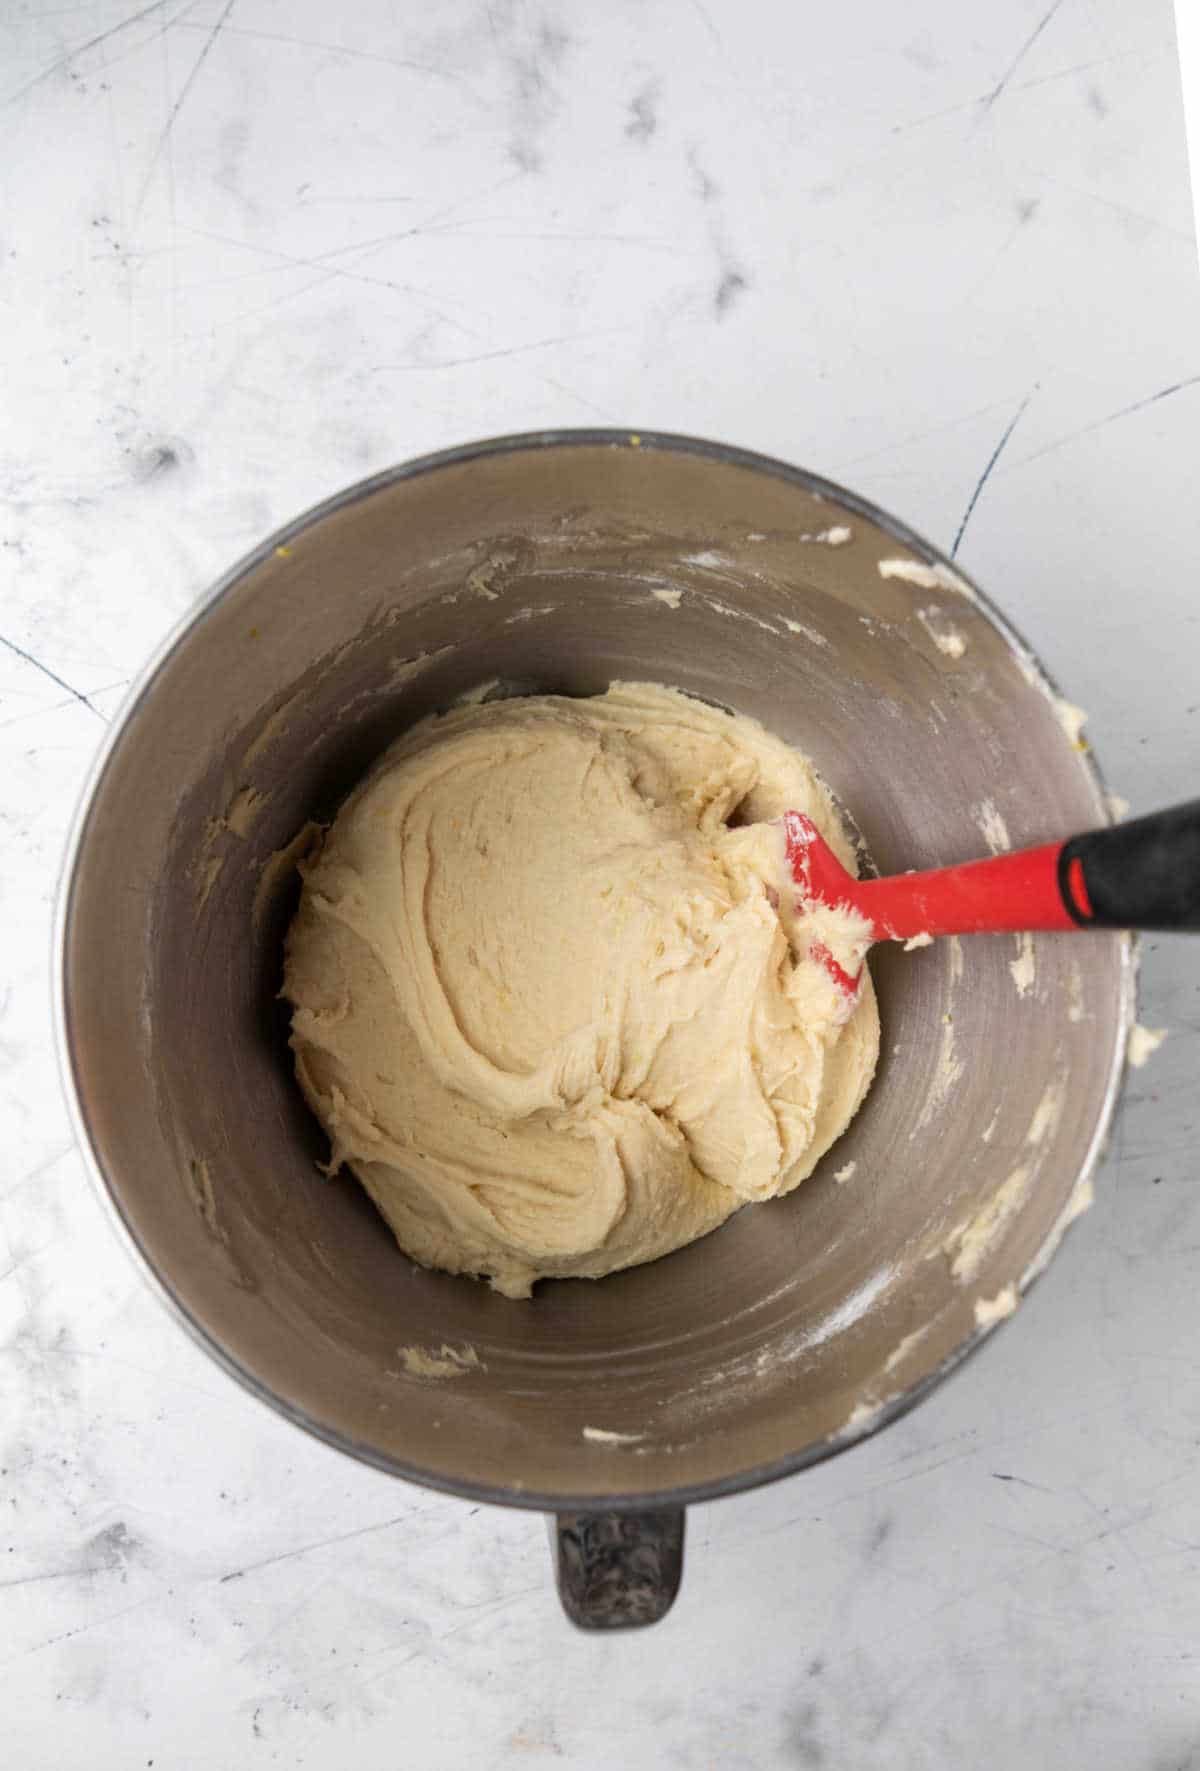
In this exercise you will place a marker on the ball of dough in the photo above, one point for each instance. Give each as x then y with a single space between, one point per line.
543 999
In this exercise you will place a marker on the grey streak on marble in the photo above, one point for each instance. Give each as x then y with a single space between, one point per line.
998 90
643 112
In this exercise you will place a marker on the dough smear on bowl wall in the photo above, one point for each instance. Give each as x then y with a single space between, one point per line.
546 1001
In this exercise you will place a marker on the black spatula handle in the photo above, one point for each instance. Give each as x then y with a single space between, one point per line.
1141 875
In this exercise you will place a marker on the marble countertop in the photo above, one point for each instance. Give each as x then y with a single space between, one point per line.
252 250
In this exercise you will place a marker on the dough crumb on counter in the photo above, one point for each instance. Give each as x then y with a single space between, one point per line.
1143 1043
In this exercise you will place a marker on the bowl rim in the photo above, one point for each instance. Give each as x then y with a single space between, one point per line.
856 1429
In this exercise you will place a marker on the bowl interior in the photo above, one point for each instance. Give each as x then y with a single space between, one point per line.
558 565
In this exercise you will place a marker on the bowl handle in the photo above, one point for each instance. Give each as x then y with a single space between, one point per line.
618 1570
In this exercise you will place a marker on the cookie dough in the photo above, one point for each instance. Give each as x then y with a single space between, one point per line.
544 1003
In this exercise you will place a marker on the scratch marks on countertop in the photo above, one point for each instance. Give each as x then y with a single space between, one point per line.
998 90
1164 393
307 1549
1138 223
47 1163
110 1551
427 69
22 1260
512 350
68 688
1025 209
972 104
909 439
279 262
706 19
185 93
64 61
986 474
95 1623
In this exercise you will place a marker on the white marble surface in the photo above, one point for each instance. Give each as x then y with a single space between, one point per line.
253 249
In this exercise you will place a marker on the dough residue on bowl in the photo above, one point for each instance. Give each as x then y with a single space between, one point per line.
546 1001
443 1361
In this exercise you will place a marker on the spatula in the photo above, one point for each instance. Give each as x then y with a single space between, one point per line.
1141 875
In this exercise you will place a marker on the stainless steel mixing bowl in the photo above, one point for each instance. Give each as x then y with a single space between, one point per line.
559 562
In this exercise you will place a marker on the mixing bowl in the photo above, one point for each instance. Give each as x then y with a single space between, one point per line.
558 562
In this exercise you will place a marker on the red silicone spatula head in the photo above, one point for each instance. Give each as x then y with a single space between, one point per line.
1140 875
820 879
